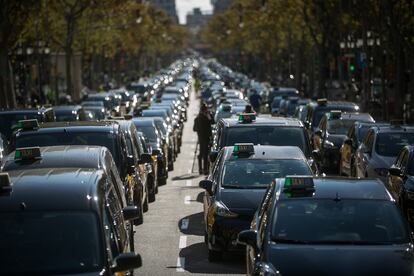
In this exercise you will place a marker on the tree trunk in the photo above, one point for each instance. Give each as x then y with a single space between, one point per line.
7 96
68 64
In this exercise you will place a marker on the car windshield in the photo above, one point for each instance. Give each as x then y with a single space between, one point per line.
244 173
339 126
390 143
66 117
268 135
9 121
99 114
343 221
37 139
362 131
49 243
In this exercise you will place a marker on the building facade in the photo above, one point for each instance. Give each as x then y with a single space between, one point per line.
197 19
168 6
220 6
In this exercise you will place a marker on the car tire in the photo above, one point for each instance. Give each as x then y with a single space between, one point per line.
139 220
214 256
161 182
151 196
171 166
131 238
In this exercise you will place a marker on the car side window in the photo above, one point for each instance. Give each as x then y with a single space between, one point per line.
369 140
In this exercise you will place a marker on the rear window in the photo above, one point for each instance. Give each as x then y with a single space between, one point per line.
268 135
50 243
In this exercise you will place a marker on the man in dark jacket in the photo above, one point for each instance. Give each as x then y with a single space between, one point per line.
202 125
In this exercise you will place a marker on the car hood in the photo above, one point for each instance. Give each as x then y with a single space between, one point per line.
242 201
342 260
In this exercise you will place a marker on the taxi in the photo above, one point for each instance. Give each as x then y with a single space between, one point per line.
63 221
328 226
236 186
274 131
104 133
331 133
66 113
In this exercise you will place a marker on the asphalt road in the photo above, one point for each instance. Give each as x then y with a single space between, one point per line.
171 240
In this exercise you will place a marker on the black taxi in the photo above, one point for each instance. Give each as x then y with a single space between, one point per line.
104 133
274 131
328 226
236 186
63 221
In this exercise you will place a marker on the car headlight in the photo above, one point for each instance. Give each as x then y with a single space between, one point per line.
328 145
221 210
381 171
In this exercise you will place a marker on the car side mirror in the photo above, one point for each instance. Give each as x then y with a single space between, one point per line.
156 151
131 212
207 185
247 237
130 164
213 156
126 261
395 171
145 158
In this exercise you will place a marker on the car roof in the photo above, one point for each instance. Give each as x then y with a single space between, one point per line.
263 121
269 152
144 121
343 188
331 104
55 189
67 108
76 126
60 157
25 111
392 129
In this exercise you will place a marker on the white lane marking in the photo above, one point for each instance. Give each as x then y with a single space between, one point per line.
183 242
184 224
189 171
187 199
180 264
189 183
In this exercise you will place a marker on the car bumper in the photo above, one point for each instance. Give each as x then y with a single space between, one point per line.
223 234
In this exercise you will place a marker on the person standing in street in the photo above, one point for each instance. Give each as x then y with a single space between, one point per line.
202 125
255 100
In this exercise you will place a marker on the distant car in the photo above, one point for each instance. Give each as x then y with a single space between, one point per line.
68 216
97 111
69 113
331 133
236 186
328 226
379 149
9 118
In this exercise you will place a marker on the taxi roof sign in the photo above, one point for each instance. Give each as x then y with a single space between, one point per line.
335 114
28 124
6 184
243 148
247 117
396 123
29 153
300 183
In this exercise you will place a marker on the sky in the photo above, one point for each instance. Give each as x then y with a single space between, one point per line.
185 6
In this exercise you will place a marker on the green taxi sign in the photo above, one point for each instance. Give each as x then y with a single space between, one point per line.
243 148
300 183
27 153
247 117
28 124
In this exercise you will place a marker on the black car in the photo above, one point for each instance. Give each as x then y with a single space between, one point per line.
236 186
146 148
315 112
9 118
400 182
92 157
104 133
328 226
67 113
354 137
331 133
63 221
148 127
274 131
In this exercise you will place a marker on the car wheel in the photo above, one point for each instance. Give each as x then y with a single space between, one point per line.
151 196
171 166
131 238
214 256
162 181
140 219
